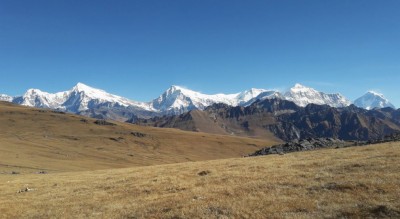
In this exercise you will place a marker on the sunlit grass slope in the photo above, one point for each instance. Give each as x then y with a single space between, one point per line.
359 182
34 140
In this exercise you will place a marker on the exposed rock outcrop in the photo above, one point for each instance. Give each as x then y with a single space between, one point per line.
319 143
301 145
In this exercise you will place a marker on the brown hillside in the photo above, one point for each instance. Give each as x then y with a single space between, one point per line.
213 123
35 139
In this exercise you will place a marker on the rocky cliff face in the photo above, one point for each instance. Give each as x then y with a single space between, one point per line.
349 123
308 144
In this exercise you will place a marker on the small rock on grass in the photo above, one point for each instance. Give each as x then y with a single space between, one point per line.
27 189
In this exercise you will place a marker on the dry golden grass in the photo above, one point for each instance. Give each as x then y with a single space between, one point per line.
359 182
35 139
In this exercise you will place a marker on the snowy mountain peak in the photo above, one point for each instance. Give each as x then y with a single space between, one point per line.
80 98
33 91
302 96
172 89
99 95
4 97
82 87
176 87
374 93
254 91
177 99
37 98
372 100
299 86
179 89
249 95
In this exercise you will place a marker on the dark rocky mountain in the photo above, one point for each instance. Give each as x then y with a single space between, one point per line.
349 123
285 120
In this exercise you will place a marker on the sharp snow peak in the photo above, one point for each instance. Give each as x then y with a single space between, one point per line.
82 87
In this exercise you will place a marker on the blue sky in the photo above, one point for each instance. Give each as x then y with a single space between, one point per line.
137 49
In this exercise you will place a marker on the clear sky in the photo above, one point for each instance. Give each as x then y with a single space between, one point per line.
138 48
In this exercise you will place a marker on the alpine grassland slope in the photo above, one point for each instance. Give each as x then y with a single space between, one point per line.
358 182
33 140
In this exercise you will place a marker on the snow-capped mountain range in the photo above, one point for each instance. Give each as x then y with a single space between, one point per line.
83 99
80 98
177 100
302 96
